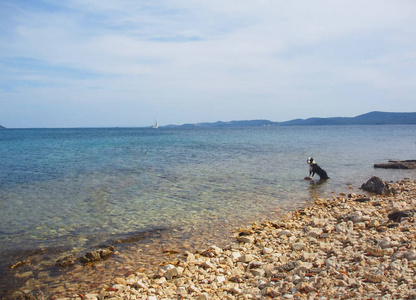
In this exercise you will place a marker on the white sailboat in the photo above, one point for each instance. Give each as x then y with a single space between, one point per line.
156 125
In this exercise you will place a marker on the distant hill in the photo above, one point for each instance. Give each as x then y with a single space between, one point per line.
1 127
371 118
251 123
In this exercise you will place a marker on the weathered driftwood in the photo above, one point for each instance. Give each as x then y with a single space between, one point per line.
402 164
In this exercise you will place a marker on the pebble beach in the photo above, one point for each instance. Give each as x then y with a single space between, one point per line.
349 246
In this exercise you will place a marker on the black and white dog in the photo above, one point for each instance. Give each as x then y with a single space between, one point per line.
314 168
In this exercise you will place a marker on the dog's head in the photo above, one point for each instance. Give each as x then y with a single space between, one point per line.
310 161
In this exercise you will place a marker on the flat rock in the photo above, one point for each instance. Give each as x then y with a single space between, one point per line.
96 255
65 261
245 239
402 164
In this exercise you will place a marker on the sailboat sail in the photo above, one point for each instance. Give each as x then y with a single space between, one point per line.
156 125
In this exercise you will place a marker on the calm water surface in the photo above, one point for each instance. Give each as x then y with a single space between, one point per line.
68 190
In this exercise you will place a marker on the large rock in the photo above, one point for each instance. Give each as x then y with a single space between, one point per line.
96 255
65 261
402 164
397 216
377 186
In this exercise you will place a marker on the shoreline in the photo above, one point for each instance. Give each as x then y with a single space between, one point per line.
29 273
336 247
344 246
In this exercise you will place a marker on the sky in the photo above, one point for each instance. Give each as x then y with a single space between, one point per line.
105 63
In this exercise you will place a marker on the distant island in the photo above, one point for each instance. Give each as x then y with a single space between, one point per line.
371 118
1 127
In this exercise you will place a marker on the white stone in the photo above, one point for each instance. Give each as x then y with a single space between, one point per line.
292 239
190 258
130 281
325 246
352 282
318 222
315 232
179 270
208 265
118 287
306 256
385 242
356 217
302 268
284 233
396 265
283 258
410 255
235 255
216 250
246 258
220 279
170 271
398 255
257 272
194 289
236 290
203 296
140 284
331 262
298 246
161 281
345 227
182 291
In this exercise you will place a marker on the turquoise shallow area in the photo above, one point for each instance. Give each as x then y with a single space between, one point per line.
75 188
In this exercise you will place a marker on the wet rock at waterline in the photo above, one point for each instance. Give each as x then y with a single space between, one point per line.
377 186
96 255
88 257
66 261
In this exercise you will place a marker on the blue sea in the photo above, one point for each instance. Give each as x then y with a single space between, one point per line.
64 191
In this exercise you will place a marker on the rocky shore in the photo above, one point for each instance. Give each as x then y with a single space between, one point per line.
351 246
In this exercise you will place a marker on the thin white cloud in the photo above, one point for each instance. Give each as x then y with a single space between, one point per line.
261 56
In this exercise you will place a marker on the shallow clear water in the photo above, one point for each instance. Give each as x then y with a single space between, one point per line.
75 188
